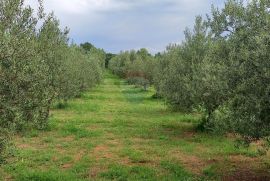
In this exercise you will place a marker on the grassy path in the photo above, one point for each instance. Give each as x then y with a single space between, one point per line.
118 132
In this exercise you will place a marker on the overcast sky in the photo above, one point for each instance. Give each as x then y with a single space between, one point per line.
116 25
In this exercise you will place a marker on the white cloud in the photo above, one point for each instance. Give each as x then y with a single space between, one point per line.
80 6
124 24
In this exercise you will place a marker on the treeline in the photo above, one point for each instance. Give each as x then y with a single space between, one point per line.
38 67
222 69
135 66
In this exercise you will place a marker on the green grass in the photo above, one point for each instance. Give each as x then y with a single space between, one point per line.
118 132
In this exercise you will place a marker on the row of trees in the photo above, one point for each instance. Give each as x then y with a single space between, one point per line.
135 66
38 67
222 68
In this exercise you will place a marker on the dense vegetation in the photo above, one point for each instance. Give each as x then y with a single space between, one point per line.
216 80
135 66
38 66
222 69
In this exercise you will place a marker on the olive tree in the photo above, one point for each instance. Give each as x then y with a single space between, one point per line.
180 68
135 66
222 67
244 29
38 66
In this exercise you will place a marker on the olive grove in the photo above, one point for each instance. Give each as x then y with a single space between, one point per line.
221 69
135 66
38 66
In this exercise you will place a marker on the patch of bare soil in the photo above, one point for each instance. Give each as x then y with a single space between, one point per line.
125 161
191 162
79 156
102 151
54 158
95 171
100 148
245 174
92 127
7 178
24 146
67 165
140 141
60 149
247 169
67 139
33 146
189 134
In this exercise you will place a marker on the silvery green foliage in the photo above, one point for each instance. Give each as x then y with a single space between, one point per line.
245 29
223 66
180 68
80 71
136 67
119 63
38 66
16 49
20 65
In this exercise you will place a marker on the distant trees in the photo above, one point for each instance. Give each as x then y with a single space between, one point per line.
38 66
222 68
135 66
80 71
109 56
87 46
98 54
